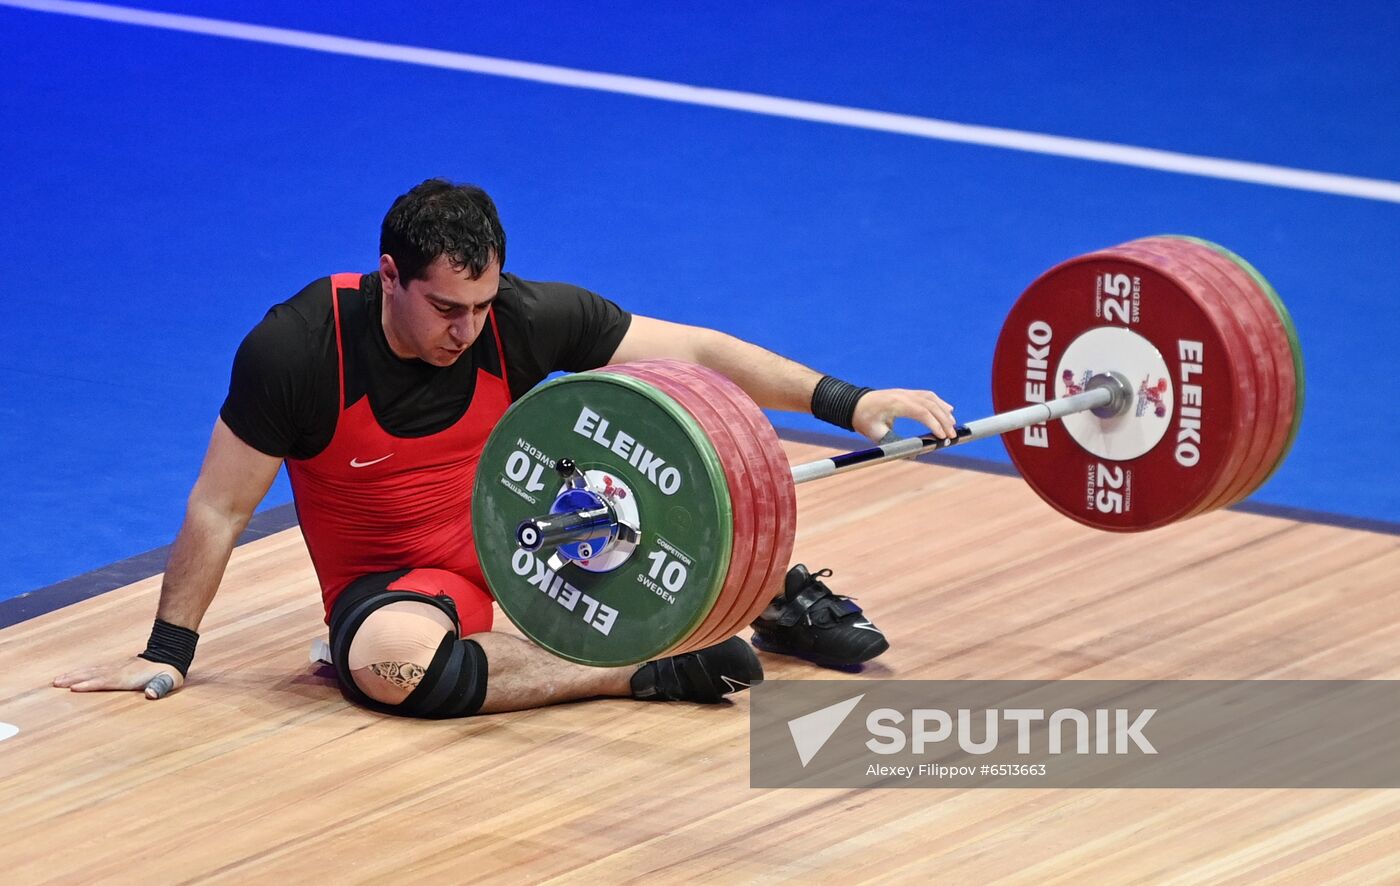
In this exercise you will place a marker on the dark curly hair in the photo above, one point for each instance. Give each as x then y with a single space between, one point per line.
441 218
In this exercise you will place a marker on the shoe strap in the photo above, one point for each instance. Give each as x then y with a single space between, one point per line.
817 604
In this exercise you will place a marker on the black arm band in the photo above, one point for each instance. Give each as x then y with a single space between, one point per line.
171 644
834 401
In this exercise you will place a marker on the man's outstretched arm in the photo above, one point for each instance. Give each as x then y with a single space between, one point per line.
233 479
773 381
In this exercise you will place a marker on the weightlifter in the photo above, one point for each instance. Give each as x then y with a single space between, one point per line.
378 392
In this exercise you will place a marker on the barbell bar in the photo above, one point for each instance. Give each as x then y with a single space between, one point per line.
1108 395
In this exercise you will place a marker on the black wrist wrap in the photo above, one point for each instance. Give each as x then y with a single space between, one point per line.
171 644
834 401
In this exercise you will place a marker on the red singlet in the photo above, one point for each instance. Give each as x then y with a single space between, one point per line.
372 502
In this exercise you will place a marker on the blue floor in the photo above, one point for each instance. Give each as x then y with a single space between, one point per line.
163 189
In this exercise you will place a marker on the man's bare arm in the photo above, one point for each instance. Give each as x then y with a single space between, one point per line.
233 479
774 381
232 482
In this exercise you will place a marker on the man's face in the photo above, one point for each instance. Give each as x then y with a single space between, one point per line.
437 318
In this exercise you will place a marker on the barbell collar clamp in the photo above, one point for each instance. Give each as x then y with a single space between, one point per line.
1121 389
570 475
552 530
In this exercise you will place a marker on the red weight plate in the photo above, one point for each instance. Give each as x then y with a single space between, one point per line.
680 385
1194 342
681 382
735 475
1273 354
1232 293
1242 439
1295 348
784 517
737 469
741 412
1283 343
778 485
684 381
783 509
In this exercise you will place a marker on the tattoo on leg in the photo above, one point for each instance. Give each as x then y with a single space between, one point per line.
405 674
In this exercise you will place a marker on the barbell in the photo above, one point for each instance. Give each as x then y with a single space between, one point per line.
647 508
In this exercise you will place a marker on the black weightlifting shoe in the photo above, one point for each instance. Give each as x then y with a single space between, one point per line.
706 675
809 621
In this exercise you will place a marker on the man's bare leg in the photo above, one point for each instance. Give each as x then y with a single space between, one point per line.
522 675
390 655
392 650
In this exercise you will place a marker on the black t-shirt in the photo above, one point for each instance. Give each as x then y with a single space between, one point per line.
284 393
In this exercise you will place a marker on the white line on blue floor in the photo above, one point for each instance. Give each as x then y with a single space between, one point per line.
796 109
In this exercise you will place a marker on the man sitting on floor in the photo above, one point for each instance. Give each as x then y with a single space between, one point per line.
378 392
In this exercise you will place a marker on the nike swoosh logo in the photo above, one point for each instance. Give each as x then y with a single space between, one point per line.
734 685
356 463
866 626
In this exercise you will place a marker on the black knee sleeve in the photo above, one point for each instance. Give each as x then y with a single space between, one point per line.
454 684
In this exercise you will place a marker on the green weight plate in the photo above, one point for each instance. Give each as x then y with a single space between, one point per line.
640 435
1292 331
